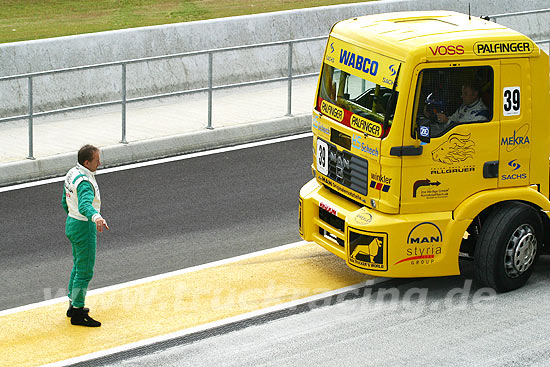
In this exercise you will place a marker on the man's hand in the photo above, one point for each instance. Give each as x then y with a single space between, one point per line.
100 223
441 117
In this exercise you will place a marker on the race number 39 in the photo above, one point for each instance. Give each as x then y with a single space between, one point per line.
511 101
322 157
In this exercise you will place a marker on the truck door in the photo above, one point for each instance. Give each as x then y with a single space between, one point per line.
515 116
456 105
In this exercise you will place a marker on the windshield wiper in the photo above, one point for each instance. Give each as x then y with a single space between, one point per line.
390 101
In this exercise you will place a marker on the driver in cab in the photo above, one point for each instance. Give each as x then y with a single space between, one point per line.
472 108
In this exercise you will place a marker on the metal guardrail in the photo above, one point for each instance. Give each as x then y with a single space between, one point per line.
210 89
124 100
526 12
494 17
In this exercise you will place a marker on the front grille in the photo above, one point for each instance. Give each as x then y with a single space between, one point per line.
333 221
348 169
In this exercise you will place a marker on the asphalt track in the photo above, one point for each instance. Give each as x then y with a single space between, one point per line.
444 321
170 216
162 218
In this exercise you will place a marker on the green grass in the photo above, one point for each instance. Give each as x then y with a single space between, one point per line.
22 20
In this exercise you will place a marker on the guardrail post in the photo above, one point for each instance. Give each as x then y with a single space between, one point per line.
209 126
289 101
123 105
29 90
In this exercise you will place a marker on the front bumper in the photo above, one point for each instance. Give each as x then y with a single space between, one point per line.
378 244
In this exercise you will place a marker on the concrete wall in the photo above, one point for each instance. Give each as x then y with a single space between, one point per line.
76 88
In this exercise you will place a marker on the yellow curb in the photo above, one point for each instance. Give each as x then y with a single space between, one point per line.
45 335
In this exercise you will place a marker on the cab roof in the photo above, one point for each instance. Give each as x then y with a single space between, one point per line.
402 33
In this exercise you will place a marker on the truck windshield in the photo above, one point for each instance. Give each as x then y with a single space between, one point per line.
356 96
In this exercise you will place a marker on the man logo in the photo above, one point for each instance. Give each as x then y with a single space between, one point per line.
425 233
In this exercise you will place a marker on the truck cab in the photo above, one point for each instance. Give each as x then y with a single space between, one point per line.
430 140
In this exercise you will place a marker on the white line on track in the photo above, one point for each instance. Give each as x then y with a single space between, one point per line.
157 277
164 160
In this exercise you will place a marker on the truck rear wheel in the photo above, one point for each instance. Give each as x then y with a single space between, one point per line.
508 247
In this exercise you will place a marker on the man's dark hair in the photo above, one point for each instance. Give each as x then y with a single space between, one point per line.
86 153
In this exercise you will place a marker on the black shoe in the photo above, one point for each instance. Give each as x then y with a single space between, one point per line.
71 308
81 317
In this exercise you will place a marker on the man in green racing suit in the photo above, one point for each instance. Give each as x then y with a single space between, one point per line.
82 201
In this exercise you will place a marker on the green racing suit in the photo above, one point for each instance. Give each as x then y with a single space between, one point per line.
81 201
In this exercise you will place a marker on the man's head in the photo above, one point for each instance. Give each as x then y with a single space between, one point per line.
88 156
470 93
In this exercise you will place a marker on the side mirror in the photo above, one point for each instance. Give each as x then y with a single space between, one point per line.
423 131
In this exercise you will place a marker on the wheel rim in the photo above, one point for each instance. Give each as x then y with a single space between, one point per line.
520 251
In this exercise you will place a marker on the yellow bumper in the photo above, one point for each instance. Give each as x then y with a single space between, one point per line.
378 244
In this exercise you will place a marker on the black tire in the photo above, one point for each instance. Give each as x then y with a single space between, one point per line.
508 246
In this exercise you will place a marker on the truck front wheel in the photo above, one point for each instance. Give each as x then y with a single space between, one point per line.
508 246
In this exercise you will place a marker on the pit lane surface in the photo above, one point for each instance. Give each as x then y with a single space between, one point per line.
509 329
423 322
163 218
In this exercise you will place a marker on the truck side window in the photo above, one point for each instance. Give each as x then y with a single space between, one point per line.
447 97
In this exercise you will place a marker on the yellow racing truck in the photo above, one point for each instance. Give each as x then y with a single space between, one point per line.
431 141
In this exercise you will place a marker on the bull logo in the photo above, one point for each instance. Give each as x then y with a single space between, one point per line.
457 148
